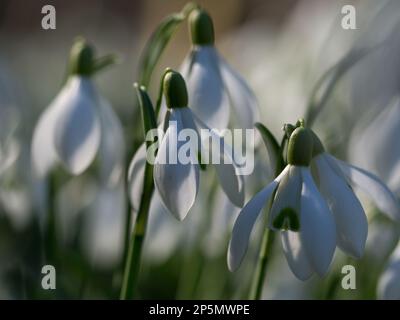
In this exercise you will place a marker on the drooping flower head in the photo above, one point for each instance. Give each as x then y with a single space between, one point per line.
177 174
298 210
79 123
313 217
214 88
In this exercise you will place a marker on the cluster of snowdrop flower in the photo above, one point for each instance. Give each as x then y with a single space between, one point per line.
211 88
314 210
311 202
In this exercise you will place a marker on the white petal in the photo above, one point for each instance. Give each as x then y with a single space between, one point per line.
287 195
232 182
176 183
207 96
112 145
136 177
43 151
388 285
77 135
350 219
295 255
317 226
383 198
245 222
241 96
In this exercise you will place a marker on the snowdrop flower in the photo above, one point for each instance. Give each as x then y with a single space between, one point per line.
78 124
298 208
335 178
177 182
337 210
214 87
389 282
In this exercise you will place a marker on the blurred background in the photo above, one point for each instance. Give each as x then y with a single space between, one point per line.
281 48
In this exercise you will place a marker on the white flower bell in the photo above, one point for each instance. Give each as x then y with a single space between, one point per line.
313 217
214 87
298 208
177 182
78 125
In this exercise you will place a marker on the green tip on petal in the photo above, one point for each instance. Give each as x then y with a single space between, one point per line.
81 58
201 28
287 219
300 147
175 91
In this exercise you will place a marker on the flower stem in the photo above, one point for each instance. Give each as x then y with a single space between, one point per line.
132 263
51 232
132 266
262 264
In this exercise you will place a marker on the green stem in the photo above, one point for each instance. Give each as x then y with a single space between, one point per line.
51 232
132 266
262 264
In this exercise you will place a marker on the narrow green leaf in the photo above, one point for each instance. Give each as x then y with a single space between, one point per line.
156 44
148 116
272 145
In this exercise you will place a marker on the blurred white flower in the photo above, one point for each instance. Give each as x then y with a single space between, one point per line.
373 145
79 124
76 125
103 228
389 282
9 120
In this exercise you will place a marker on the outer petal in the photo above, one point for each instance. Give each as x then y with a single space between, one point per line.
136 177
388 286
351 222
245 222
176 183
43 152
228 172
241 96
77 136
383 198
287 195
112 145
207 95
318 233
295 255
